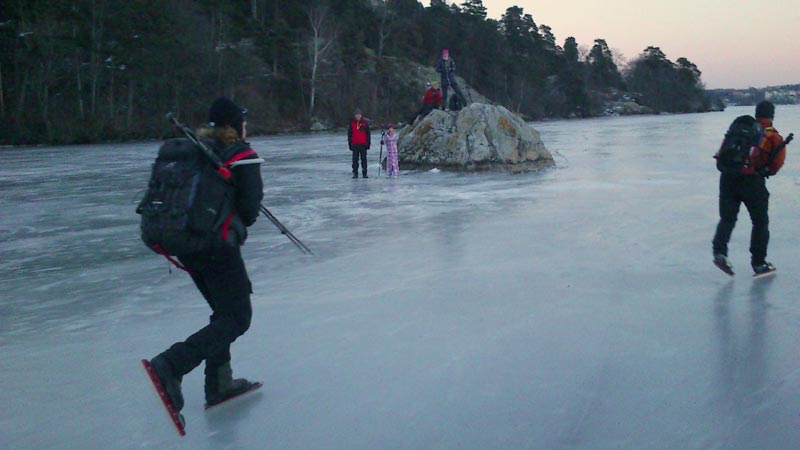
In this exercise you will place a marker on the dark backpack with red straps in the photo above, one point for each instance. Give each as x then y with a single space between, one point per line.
740 147
189 203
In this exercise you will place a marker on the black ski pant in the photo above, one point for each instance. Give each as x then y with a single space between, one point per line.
359 150
752 191
422 112
454 85
222 279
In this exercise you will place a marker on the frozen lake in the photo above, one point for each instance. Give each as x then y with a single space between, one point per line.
573 308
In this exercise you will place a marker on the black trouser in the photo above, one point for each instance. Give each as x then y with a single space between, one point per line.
423 111
752 191
222 279
457 90
360 150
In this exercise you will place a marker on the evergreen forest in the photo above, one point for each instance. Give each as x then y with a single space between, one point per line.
81 71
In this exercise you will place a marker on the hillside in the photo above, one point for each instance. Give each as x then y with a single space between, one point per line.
87 71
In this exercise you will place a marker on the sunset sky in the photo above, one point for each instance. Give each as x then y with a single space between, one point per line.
735 43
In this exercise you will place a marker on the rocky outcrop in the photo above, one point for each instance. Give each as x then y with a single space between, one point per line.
480 137
626 108
621 103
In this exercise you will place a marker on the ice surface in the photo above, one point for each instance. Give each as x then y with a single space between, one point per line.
575 307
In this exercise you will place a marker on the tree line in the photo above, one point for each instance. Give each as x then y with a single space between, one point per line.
82 71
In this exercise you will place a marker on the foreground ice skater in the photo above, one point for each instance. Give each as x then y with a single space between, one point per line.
752 151
225 201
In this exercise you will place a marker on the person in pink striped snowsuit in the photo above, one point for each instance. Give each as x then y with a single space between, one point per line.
390 139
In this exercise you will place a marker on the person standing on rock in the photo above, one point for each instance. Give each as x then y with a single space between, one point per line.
446 67
390 139
358 139
747 184
432 99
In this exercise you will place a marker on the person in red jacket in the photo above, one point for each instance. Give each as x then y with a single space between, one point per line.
750 187
358 139
432 99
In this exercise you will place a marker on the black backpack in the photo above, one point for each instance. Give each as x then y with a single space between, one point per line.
187 201
740 146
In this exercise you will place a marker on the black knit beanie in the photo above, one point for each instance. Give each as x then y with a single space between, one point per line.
765 109
224 112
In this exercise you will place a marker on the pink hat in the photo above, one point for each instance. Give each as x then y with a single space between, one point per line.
445 52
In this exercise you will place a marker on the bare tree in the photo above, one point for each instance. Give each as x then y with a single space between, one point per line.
320 44
384 27
96 65
2 94
78 78
129 118
384 31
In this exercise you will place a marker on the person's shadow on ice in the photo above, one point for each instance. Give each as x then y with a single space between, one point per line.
742 364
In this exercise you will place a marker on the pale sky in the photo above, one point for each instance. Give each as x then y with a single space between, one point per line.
735 43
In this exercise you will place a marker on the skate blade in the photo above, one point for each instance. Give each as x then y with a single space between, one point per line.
764 275
255 386
174 416
724 268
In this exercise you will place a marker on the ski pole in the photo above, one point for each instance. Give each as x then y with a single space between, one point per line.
774 152
297 242
225 172
380 155
786 142
199 144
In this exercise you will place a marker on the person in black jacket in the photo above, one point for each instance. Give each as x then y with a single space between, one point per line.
220 274
446 66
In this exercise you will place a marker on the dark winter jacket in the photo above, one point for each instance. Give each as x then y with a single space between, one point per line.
245 170
447 70
358 134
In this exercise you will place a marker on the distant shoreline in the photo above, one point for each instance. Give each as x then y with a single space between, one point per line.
342 129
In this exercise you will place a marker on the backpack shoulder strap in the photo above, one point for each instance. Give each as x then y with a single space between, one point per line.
238 157
240 154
